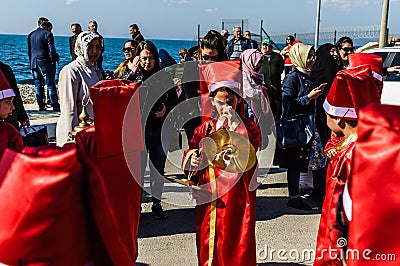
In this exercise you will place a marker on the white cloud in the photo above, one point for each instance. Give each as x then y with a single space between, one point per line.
211 10
345 4
69 2
179 2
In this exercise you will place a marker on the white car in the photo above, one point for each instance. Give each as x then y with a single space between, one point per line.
391 82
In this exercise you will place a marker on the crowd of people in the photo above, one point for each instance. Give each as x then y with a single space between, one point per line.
235 89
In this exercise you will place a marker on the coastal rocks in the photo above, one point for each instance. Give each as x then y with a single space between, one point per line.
27 92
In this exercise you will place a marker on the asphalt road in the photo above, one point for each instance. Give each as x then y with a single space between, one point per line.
285 236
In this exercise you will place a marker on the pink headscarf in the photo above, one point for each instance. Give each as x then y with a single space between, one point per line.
250 58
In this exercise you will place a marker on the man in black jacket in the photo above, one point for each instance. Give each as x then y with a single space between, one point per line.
136 35
253 43
76 29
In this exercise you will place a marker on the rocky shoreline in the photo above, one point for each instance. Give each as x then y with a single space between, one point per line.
27 92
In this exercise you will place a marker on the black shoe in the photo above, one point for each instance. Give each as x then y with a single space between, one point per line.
158 211
298 203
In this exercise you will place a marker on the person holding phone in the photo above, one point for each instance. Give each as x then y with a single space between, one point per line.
299 91
324 71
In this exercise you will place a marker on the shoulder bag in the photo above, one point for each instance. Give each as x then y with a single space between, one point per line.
295 131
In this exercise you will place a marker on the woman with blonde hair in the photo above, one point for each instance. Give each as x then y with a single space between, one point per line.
125 69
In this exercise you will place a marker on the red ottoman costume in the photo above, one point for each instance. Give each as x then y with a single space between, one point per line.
103 146
52 213
352 89
372 203
9 136
225 225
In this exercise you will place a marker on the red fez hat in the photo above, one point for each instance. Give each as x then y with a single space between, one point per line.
352 89
223 74
5 89
374 61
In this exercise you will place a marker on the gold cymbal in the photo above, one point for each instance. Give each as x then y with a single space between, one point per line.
229 151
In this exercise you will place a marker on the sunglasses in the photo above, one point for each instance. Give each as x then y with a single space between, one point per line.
207 57
348 50
128 49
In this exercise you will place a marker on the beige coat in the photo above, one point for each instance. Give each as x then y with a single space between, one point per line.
75 80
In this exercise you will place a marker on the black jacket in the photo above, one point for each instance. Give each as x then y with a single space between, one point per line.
137 37
72 41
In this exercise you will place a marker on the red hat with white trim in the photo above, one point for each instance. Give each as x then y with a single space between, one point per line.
352 89
5 89
223 74
374 61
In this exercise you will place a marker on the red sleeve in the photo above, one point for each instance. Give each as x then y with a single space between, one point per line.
15 141
198 135
332 142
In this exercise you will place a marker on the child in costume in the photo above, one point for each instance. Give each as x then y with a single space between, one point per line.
351 90
371 197
9 136
225 211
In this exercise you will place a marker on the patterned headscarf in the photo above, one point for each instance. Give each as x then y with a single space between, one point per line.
82 43
298 55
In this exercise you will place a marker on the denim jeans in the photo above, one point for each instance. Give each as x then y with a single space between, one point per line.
48 72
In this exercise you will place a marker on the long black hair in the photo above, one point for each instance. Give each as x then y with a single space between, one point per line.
213 40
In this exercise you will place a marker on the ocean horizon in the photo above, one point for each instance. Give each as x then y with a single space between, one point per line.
14 52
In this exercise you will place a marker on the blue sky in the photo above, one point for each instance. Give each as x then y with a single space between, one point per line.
178 19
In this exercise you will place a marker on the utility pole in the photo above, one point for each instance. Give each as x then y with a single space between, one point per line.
383 34
317 24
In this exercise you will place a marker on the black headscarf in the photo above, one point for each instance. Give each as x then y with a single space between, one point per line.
324 71
325 67
166 59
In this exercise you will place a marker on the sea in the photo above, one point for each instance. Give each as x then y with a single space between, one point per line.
14 52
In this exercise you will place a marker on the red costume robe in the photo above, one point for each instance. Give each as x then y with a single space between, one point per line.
225 227
327 251
117 158
9 138
374 188
55 211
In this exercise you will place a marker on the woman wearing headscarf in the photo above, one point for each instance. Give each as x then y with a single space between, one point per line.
324 71
255 93
298 91
75 79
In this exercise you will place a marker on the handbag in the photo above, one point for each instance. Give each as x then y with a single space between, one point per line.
34 136
295 131
317 156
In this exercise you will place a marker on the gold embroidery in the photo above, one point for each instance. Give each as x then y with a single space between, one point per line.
213 215
345 142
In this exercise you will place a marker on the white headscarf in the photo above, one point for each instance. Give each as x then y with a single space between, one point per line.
298 55
82 43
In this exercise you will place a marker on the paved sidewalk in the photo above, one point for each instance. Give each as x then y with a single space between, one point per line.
172 241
